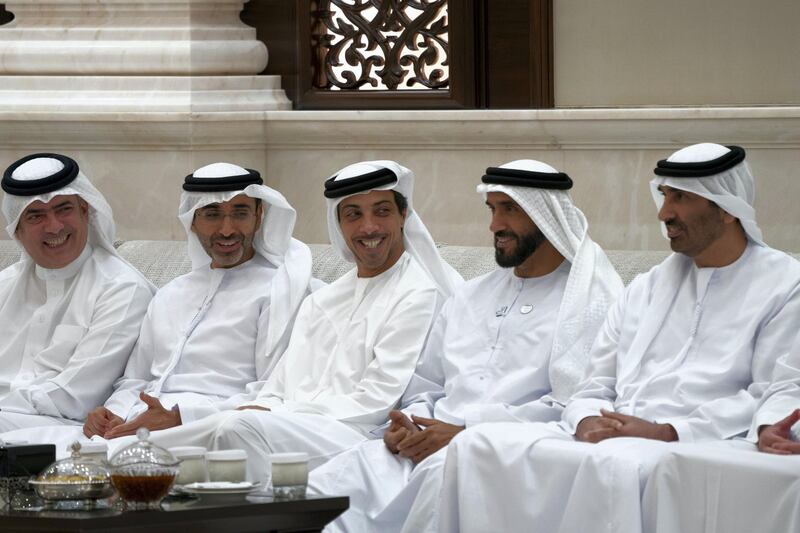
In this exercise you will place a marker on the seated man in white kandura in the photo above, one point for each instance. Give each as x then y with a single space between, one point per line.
71 308
737 490
211 336
355 343
684 355
509 346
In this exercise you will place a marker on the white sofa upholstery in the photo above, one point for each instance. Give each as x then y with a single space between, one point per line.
162 261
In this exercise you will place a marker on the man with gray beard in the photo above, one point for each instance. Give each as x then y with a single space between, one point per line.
508 346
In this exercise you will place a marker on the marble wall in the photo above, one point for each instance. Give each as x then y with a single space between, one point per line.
140 92
609 153
140 164
680 52
138 127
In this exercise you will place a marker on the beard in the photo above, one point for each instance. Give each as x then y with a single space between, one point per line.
699 234
526 245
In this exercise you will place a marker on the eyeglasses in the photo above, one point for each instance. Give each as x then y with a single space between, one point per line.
216 216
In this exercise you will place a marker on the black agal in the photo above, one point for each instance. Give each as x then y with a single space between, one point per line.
365 182
699 169
527 178
50 183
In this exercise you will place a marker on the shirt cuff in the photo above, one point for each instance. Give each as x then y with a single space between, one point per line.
271 402
683 429
579 409
120 407
43 404
761 419
418 409
190 413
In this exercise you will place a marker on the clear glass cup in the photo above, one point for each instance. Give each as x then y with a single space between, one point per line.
227 465
193 464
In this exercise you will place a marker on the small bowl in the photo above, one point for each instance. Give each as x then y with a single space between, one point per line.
143 472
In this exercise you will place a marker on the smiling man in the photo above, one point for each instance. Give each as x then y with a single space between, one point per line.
509 346
71 308
355 342
247 281
684 355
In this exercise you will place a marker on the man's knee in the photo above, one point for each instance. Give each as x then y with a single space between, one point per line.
239 426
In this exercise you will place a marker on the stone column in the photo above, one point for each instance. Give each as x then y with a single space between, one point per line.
126 55
139 92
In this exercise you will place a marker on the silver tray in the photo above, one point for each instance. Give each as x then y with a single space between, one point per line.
90 490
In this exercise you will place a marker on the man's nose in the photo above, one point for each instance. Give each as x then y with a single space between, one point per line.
497 224
227 227
369 224
52 224
666 212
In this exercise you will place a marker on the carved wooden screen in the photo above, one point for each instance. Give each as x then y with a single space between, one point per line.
388 53
390 45
362 54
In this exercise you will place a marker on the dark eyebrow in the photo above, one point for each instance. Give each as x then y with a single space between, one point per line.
211 206
39 210
381 203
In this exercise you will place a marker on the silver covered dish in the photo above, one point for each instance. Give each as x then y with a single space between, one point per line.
72 490
75 478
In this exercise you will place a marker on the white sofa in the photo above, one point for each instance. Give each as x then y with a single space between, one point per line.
162 261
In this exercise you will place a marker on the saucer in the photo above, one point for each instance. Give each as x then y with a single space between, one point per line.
218 487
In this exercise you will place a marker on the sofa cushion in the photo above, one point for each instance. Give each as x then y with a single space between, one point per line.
159 261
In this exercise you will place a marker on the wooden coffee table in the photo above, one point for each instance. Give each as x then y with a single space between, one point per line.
253 515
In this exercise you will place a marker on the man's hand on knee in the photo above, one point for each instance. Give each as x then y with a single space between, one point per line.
597 428
435 436
400 428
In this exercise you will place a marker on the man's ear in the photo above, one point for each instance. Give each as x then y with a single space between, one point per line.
84 206
727 218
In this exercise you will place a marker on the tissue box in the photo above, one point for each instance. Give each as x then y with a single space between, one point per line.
18 463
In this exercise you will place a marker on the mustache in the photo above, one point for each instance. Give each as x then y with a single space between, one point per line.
505 233
674 223
62 233
235 237
369 236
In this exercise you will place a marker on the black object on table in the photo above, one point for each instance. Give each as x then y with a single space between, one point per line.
25 460
18 463
193 516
